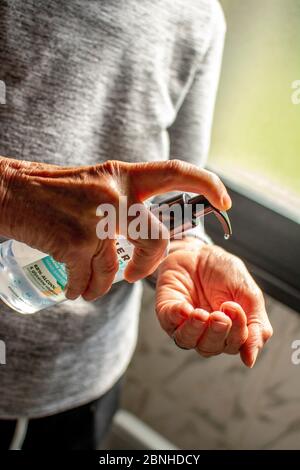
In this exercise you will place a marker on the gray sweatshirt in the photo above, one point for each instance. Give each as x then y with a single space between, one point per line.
88 81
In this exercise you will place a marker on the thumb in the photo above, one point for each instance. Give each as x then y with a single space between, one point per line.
251 348
259 330
149 179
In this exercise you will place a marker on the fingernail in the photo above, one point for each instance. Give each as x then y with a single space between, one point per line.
198 322
204 315
71 296
219 327
254 357
226 201
130 279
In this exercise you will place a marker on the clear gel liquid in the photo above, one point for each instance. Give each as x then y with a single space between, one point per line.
31 280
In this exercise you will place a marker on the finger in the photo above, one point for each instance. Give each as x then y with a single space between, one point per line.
258 335
149 179
259 326
213 340
238 333
79 272
188 334
251 349
150 250
104 268
173 314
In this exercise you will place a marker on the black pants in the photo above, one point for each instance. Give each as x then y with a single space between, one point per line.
77 429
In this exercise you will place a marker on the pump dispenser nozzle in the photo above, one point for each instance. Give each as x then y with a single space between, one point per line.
208 208
195 207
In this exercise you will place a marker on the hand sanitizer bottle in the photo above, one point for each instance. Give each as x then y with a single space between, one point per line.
31 280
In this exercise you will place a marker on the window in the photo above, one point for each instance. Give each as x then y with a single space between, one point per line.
256 140
256 137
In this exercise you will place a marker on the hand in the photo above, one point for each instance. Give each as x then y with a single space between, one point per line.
207 300
53 209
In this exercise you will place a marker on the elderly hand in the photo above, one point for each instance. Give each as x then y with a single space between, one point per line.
53 209
208 301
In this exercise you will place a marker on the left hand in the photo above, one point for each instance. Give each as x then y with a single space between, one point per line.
208 301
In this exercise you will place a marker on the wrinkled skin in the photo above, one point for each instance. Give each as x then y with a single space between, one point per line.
53 209
208 301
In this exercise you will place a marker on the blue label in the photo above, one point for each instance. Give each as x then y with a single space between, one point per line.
58 270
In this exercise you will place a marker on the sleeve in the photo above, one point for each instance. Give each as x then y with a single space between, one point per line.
191 131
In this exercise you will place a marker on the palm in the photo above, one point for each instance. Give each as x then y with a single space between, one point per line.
201 281
211 284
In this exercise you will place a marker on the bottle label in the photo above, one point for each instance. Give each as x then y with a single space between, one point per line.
47 275
124 252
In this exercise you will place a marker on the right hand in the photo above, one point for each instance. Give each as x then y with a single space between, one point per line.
53 209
